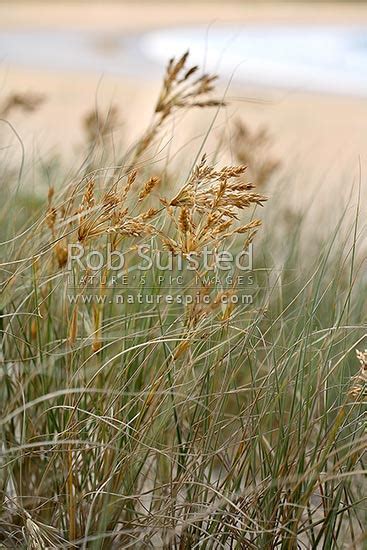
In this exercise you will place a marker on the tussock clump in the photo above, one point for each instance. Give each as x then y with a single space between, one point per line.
177 419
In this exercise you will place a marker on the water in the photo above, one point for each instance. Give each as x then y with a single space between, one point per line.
67 50
324 59
315 58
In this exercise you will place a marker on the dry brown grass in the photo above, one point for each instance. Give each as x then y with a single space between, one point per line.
98 124
181 89
25 102
253 148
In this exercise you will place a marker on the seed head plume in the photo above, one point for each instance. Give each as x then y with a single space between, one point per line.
359 381
181 89
148 187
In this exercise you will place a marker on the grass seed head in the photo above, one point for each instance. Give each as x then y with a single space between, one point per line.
148 187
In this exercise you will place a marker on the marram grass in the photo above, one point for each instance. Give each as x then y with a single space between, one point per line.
162 424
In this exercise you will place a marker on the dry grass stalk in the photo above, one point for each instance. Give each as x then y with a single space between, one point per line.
134 227
95 217
25 102
359 381
252 149
34 329
221 191
148 187
180 90
98 124
108 214
61 252
199 310
73 327
131 178
97 328
208 204
51 219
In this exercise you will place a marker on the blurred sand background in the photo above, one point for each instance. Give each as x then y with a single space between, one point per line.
324 135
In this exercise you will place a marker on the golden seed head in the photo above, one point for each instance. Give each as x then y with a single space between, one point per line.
148 187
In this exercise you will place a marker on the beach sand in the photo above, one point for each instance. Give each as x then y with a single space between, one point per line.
140 15
323 135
